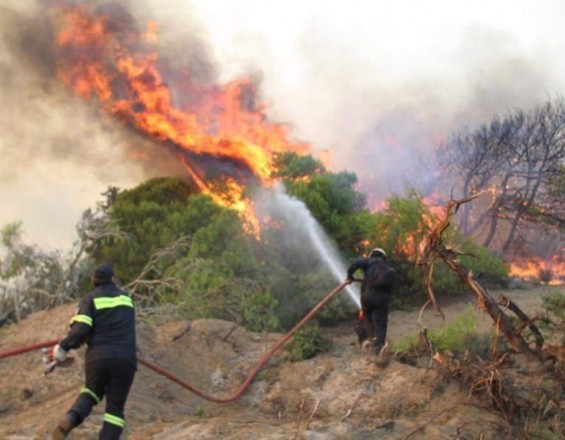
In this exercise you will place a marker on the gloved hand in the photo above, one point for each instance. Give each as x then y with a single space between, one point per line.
54 354
59 354
56 357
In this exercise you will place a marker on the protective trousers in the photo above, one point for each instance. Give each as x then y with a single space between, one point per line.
110 378
375 310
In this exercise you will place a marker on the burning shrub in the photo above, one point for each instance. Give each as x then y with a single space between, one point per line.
545 275
402 225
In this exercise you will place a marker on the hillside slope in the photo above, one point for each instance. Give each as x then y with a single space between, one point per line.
338 395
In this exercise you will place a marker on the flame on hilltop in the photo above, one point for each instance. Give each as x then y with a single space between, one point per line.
108 59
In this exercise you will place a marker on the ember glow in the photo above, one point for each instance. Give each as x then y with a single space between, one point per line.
111 61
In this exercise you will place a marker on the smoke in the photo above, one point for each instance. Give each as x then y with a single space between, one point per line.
381 85
378 88
385 126
303 235
59 153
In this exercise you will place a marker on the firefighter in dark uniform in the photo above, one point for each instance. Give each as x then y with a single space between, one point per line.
376 288
105 321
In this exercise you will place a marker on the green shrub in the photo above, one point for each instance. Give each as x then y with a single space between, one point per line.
454 336
489 269
399 229
554 305
307 343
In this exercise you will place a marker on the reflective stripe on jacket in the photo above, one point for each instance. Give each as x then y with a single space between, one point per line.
105 321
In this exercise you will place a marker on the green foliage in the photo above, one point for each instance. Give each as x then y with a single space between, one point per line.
538 426
489 269
152 215
330 197
200 412
292 166
554 305
216 276
454 336
33 279
207 293
333 202
34 268
257 308
160 190
399 229
307 343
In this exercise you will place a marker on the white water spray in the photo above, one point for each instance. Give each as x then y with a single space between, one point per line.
299 218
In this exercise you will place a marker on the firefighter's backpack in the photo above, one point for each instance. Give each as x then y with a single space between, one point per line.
381 275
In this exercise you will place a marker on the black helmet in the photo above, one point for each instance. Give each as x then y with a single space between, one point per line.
378 252
103 274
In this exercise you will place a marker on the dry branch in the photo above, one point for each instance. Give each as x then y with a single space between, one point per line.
432 247
509 304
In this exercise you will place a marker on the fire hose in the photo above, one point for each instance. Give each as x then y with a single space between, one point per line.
250 377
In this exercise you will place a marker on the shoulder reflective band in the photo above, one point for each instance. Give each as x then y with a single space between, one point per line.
114 420
85 319
111 302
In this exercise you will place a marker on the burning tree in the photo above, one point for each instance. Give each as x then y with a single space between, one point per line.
217 132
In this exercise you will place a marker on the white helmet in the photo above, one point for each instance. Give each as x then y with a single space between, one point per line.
378 252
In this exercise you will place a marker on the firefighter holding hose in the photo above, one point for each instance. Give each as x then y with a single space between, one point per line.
105 321
376 288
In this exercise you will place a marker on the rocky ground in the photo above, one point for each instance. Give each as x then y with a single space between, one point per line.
342 394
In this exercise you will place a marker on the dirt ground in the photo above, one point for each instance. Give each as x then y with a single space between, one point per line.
337 395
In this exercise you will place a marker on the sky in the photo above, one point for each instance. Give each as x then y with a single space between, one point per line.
376 83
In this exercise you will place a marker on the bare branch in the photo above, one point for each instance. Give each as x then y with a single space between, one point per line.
432 247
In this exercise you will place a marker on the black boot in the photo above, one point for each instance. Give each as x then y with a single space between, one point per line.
61 430
65 425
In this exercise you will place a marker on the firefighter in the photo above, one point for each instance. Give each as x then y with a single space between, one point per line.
105 321
376 288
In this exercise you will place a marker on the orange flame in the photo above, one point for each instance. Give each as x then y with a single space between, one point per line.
550 271
99 58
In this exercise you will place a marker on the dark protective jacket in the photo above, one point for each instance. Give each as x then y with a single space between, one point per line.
369 266
105 321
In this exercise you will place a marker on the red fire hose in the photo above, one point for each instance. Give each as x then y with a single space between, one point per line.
204 395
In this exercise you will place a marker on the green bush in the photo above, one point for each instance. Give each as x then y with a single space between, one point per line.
454 336
307 343
401 226
554 305
489 269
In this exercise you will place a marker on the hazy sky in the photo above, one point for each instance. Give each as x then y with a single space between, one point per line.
375 82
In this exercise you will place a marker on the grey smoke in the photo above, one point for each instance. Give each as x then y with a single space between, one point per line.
336 89
304 233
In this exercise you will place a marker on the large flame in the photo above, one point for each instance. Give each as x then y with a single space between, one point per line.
119 66
550 271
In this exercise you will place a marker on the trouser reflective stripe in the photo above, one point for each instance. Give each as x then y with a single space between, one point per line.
90 393
114 420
